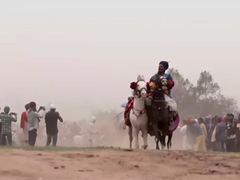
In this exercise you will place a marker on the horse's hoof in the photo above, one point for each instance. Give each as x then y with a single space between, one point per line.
145 146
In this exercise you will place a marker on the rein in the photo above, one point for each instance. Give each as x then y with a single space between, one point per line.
141 112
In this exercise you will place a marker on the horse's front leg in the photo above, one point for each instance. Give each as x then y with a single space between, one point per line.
157 143
157 135
169 142
130 136
135 135
145 135
163 141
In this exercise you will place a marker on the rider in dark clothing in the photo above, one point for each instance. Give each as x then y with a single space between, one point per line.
153 85
163 66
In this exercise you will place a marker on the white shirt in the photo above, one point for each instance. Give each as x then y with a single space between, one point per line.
33 117
183 130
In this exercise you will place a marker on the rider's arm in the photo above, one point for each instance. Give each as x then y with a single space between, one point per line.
152 84
170 82
152 79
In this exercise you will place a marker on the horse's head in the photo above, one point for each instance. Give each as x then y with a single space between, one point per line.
139 88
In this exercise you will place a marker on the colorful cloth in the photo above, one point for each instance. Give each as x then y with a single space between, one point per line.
24 125
7 123
23 119
154 81
127 110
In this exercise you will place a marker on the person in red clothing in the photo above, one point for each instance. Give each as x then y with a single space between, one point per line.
127 111
24 124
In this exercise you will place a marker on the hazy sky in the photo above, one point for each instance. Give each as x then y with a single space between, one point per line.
82 55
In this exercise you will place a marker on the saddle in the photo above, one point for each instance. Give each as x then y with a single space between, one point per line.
172 109
127 112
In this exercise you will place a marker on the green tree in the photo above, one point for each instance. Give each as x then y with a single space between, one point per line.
183 94
206 87
228 105
203 99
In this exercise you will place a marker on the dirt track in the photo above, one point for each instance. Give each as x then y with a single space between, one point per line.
104 164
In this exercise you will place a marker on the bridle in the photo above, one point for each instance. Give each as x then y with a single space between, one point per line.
138 91
138 94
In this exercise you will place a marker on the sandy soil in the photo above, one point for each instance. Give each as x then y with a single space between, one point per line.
99 164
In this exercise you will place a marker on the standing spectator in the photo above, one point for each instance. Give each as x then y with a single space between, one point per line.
0 128
190 133
238 134
203 127
24 124
33 122
183 131
51 120
212 133
199 144
7 120
231 133
220 135
4 140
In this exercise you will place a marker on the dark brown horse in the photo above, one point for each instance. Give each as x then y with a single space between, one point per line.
160 117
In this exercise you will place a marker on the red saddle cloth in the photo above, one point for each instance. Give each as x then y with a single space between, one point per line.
127 112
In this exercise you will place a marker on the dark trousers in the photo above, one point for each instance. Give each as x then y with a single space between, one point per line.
32 136
7 136
231 145
52 138
0 128
220 146
238 145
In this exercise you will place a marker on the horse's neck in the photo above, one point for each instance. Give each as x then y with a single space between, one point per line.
159 95
138 103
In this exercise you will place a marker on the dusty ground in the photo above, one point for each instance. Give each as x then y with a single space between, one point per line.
99 164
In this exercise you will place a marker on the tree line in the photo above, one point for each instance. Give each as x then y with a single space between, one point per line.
203 99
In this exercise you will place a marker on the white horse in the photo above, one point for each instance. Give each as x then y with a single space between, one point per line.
138 114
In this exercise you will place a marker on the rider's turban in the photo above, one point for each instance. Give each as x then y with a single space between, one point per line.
164 64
